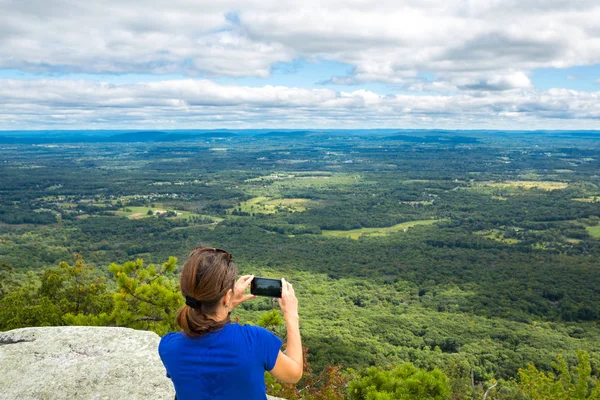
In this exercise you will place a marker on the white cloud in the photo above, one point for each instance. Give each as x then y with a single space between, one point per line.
467 63
63 103
483 45
506 81
120 37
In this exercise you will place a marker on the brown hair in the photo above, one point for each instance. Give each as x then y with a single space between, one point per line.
206 277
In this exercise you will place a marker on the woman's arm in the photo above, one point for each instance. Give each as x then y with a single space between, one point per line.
288 367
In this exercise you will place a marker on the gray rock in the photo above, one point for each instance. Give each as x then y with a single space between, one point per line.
82 363
77 362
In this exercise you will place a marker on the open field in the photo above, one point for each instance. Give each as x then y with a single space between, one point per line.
594 231
277 185
272 177
590 199
357 233
496 235
142 212
541 185
309 180
264 205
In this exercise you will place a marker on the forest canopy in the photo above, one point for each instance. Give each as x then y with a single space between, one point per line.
474 254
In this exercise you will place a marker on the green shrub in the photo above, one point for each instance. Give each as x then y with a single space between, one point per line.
403 382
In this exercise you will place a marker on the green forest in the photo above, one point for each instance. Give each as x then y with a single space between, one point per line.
427 264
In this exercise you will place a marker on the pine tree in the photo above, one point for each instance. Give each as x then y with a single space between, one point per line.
147 297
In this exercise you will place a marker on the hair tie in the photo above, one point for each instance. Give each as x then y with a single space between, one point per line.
192 302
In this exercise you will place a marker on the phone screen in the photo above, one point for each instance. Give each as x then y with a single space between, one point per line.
266 287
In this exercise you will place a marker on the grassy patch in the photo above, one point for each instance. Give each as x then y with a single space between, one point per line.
272 177
303 180
357 233
264 205
541 185
276 186
511 188
594 231
67 205
417 181
589 199
496 235
142 212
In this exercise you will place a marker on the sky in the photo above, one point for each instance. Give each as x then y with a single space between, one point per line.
242 64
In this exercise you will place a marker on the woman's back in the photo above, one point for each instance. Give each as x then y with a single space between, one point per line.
225 364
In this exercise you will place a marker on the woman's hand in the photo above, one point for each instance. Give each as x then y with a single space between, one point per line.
288 301
239 296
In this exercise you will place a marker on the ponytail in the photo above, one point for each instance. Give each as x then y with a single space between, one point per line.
194 323
206 277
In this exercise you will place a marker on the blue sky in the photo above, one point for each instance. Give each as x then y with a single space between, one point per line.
316 74
585 78
241 64
297 73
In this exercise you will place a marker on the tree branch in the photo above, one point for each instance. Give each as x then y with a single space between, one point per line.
140 299
490 388
148 319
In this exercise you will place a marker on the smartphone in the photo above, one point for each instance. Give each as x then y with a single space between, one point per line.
266 287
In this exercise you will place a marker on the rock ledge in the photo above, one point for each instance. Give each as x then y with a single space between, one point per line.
80 362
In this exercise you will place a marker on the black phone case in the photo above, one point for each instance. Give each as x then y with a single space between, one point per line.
261 289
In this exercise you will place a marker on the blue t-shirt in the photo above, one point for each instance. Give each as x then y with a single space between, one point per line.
226 364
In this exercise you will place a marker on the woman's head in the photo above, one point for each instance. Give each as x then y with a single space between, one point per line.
207 282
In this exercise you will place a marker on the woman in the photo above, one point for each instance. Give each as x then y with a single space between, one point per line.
213 358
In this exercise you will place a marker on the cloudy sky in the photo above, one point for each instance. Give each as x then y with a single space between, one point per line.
167 64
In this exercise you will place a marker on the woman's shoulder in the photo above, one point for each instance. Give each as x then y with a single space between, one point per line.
252 330
168 343
169 338
255 334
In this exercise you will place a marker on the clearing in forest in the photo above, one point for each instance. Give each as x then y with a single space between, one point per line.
496 235
264 205
541 185
307 179
357 233
594 231
507 188
589 199
137 212
277 186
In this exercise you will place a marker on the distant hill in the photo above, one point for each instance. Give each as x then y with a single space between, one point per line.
141 136
123 137
283 134
216 134
434 139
